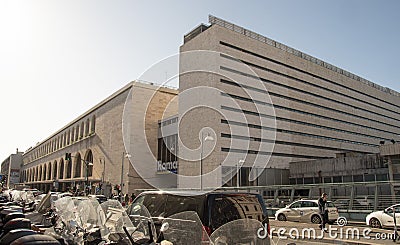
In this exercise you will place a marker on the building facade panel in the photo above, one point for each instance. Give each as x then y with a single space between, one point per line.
320 110
324 71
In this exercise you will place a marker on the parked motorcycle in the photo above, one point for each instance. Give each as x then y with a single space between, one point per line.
144 231
76 222
116 222
17 229
184 228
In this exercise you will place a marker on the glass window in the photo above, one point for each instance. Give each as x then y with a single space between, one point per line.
347 178
358 178
337 179
381 177
177 204
330 205
309 204
308 180
369 177
390 210
155 203
396 176
296 205
140 200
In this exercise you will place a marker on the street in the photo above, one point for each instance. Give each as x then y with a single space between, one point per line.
286 232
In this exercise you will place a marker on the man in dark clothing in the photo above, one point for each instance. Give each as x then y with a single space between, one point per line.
323 210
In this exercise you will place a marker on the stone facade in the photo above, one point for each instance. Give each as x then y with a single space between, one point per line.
96 143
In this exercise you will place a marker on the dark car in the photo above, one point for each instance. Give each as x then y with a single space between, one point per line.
214 208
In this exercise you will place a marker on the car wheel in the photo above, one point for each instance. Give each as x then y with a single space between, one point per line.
281 217
375 223
315 219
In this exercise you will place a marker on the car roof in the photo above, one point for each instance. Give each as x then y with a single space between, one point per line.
196 193
309 200
96 196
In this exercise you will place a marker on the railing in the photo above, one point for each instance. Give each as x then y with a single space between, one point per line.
353 200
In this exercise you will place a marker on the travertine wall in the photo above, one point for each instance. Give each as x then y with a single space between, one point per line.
104 140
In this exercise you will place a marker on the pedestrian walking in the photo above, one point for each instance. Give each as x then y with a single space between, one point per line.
323 210
126 199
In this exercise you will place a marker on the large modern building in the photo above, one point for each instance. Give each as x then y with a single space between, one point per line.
98 140
248 106
264 105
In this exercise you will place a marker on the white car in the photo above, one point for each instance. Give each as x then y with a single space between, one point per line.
306 211
379 219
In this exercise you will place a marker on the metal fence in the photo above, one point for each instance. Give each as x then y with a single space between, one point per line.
347 197
353 200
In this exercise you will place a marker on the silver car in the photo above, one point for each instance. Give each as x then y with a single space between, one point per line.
306 211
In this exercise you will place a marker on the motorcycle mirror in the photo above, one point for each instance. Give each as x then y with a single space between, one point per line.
164 227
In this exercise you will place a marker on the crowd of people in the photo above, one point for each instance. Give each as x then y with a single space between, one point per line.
124 199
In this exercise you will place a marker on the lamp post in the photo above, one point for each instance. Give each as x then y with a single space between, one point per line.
240 163
103 160
87 164
124 155
207 138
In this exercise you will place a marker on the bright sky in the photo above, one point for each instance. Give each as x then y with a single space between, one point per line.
60 58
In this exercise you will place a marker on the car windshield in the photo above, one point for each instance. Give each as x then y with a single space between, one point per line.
162 205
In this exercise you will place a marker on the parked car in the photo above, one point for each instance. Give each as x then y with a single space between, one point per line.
379 219
99 198
35 192
214 208
65 194
306 211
